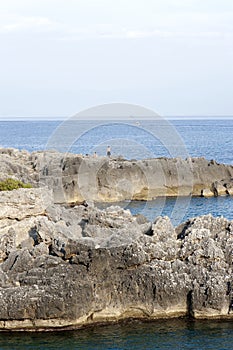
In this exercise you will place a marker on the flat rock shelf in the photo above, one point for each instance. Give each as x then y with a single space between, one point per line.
74 178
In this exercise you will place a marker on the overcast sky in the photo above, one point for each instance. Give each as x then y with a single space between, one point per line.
58 57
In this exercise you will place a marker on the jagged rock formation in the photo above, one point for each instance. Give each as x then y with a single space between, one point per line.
74 178
68 267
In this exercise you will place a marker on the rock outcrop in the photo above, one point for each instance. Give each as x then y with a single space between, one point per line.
75 178
63 267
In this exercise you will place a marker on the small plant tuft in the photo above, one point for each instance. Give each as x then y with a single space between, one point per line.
11 184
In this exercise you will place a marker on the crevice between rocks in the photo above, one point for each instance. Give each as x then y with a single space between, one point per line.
190 312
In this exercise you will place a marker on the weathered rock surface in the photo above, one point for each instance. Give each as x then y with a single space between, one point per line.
17 165
74 178
68 267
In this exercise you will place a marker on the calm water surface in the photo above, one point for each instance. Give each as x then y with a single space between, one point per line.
208 138
197 206
134 335
202 138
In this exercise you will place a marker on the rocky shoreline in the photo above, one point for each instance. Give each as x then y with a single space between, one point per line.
75 178
69 267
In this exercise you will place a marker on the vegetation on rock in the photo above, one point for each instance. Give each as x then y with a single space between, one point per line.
11 184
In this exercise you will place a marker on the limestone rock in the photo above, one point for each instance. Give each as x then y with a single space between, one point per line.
74 266
207 193
66 267
75 178
219 188
22 203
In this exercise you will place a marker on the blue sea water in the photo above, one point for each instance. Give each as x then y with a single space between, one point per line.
207 138
186 209
211 139
133 335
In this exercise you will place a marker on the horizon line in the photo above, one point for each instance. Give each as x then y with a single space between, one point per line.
63 118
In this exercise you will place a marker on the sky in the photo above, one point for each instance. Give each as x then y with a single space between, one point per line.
58 57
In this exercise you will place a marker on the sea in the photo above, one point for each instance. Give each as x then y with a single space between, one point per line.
209 138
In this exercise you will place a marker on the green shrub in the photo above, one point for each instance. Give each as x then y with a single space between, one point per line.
11 184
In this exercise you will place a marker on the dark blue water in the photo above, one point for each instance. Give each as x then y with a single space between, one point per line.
209 138
135 335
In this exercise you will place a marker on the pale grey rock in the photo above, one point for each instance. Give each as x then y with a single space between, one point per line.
219 188
114 180
40 249
207 193
77 179
28 243
17 165
64 267
22 203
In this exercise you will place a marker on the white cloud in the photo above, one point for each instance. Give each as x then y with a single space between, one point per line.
160 25
135 34
14 23
174 25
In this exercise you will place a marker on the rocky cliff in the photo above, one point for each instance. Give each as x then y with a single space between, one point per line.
74 178
69 267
